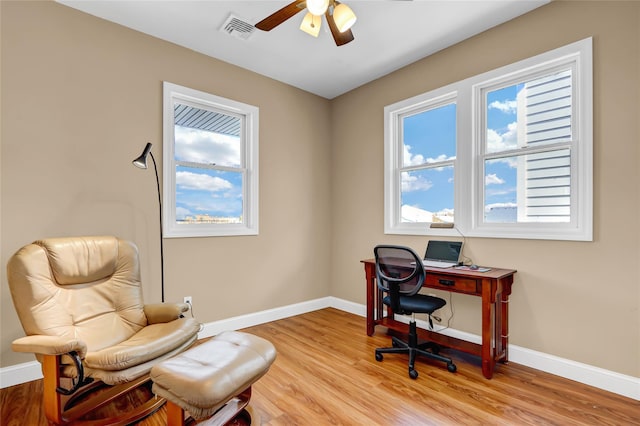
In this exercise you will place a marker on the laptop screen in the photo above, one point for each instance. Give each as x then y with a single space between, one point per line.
443 251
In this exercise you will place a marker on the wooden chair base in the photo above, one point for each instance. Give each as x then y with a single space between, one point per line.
232 410
75 409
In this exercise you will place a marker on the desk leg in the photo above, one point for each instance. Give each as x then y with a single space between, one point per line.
499 326
502 329
488 328
505 328
371 299
503 352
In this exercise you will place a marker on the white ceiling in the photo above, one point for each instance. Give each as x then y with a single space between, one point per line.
389 34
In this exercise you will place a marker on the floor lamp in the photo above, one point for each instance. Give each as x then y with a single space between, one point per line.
141 162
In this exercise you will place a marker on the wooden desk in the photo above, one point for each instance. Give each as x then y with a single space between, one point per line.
494 287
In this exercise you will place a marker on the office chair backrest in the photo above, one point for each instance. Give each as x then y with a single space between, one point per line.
399 271
86 287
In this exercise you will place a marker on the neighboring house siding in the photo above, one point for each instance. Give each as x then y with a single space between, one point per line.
544 110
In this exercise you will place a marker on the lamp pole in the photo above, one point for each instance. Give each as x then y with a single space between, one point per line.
141 162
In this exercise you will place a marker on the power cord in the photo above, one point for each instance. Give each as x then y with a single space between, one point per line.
452 314
190 308
192 315
465 259
450 310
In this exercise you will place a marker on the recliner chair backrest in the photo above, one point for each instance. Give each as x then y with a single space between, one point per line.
83 287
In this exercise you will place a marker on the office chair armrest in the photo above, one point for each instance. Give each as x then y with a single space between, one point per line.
164 312
49 345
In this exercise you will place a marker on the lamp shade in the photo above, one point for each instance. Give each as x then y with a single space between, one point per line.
311 24
141 161
344 17
317 7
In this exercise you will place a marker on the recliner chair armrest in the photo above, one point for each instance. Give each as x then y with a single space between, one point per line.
49 345
164 312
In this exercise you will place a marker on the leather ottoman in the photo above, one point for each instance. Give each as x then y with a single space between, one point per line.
214 377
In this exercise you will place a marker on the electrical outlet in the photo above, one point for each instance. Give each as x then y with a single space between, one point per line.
187 299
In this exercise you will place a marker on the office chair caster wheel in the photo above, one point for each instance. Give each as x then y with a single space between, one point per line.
452 368
378 357
413 374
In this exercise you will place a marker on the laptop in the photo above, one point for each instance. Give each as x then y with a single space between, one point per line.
442 254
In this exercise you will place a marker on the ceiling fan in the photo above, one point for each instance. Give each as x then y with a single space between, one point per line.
339 16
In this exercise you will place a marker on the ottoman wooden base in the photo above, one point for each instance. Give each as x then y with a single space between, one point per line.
213 378
236 412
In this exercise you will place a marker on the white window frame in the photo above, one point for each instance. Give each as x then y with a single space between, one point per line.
173 93
469 163
394 115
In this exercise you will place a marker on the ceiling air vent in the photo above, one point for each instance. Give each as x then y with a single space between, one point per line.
238 27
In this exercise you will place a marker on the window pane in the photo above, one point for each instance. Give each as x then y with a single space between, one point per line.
532 113
208 196
429 136
427 195
528 188
207 137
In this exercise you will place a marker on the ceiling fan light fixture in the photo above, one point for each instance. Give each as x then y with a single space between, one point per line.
344 17
317 7
311 24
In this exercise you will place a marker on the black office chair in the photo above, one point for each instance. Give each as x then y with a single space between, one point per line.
400 274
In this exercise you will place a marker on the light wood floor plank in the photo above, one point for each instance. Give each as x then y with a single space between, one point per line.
326 373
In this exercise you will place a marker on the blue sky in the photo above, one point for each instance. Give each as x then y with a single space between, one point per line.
216 193
430 136
501 175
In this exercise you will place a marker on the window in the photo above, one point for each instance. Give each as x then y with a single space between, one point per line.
504 154
421 185
210 165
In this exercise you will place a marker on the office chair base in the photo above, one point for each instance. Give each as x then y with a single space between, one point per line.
400 346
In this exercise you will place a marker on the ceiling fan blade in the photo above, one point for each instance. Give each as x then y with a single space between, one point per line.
277 18
340 38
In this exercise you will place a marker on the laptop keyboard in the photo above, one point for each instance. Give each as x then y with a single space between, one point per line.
436 264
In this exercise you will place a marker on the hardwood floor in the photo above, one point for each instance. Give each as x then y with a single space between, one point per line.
326 373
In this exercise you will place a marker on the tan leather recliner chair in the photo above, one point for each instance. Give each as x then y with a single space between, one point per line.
80 303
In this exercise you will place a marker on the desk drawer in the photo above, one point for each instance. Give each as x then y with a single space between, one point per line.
449 283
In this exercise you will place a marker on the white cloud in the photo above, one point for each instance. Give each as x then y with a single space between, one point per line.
229 203
497 142
500 191
188 180
493 179
507 106
181 213
415 183
200 146
231 206
488 207
413 160
415 214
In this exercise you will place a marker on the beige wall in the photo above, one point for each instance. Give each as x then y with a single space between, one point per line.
82 96
563 303
75 87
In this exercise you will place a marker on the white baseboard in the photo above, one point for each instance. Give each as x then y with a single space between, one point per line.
249 320
610 381
20 373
